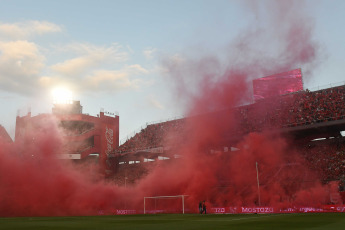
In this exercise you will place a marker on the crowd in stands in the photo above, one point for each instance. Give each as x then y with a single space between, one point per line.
300 108
327 157
295 109
152 136
128 175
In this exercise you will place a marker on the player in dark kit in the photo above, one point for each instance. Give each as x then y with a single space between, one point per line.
203 207
200 207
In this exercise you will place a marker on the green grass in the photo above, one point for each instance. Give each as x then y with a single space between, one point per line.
180 222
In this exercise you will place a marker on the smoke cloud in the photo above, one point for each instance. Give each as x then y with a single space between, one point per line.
279 41
34 182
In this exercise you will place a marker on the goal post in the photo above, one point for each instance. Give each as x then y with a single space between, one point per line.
182 197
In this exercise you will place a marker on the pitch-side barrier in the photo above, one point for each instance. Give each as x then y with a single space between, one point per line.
238 210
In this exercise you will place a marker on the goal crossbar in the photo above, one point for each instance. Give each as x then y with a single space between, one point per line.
165 197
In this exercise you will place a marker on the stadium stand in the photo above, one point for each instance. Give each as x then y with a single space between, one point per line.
301 109
327 157
152 136
290 110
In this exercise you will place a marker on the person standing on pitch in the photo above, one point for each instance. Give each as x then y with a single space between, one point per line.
200 207
203 207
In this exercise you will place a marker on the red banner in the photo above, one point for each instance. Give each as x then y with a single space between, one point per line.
262 210
236 210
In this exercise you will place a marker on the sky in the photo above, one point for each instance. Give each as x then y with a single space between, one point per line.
112 55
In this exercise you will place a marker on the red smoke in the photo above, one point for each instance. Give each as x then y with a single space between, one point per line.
231 178
285 44
34 182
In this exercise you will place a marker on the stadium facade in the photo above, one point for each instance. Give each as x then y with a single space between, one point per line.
84 137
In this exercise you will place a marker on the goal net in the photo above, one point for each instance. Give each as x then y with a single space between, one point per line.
164 204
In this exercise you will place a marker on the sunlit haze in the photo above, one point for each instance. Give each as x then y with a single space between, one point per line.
116 55
62 96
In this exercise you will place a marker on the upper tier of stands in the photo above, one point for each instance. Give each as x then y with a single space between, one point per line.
295 109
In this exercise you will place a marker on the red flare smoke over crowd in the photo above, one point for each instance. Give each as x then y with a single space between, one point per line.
33 182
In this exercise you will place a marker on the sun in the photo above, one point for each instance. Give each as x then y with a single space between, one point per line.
62 95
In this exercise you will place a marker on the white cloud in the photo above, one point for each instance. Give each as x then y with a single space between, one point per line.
129 48
88 67
82 49
88 56
110 80
100 80
137 69
96 68
153 101
25 30
20 65
75 66
149 52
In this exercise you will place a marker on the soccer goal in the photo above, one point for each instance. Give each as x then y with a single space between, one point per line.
165 204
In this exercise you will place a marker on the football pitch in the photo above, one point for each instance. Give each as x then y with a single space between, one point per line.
180 222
